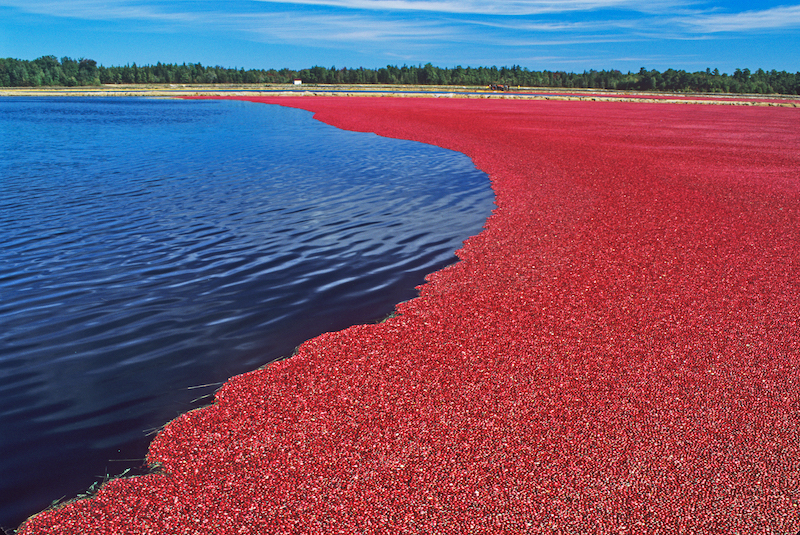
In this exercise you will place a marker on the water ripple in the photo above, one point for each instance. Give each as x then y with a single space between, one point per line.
150 245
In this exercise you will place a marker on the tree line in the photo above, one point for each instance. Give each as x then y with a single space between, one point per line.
68 72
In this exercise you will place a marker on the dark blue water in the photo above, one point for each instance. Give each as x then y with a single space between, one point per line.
151 246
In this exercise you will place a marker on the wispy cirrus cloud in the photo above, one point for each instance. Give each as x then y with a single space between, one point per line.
280 23
540 26
493 7
105 10
747 21
290 26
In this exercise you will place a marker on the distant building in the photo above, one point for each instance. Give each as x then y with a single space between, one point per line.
297 81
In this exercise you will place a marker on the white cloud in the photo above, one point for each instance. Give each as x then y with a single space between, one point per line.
748 21
291 26
100 10
493 7
536 26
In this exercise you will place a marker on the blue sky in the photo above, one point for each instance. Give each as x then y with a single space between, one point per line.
570 35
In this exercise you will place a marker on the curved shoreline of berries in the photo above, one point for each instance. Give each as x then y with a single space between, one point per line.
616 352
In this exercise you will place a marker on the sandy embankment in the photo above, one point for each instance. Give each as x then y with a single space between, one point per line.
617 352
523 93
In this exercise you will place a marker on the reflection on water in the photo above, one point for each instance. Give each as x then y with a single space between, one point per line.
149 246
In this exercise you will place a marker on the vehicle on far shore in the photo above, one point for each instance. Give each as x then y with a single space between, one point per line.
497 86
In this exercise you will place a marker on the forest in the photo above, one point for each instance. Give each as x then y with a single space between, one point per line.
68 72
